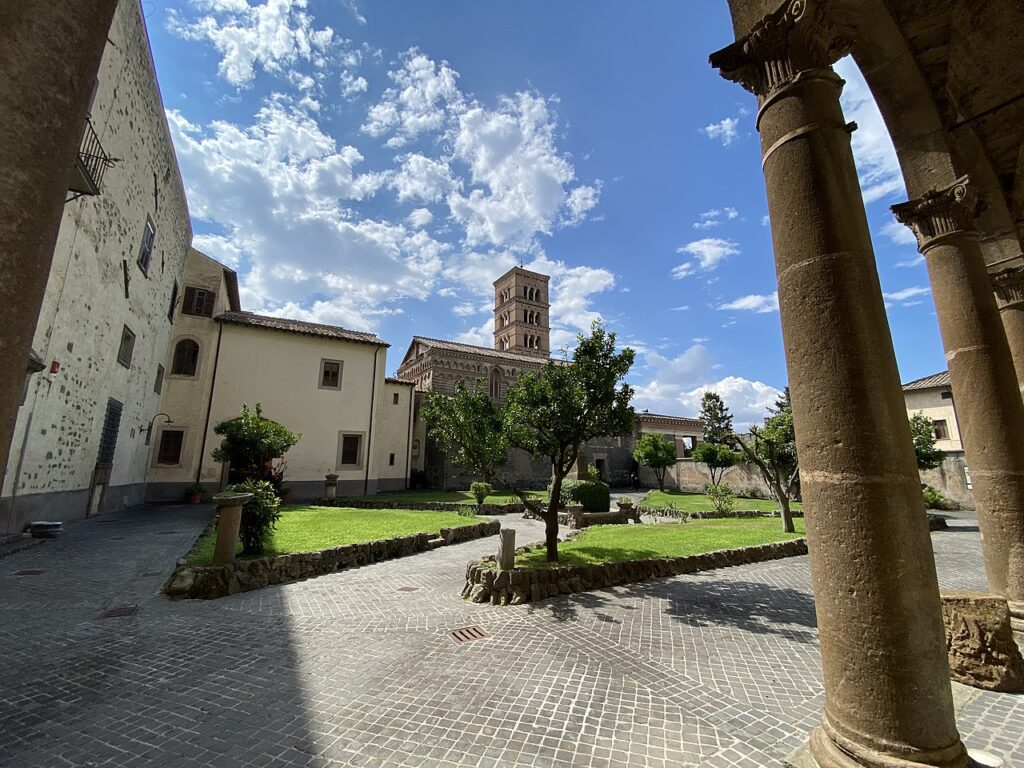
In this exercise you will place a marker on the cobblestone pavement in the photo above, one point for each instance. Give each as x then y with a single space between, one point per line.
714 669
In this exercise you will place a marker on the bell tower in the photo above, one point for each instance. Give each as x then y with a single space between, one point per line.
522 320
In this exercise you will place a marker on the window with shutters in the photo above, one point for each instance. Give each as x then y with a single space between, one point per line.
941 429
159 383
350 450
108 437
198 301
330 374
169 452
127 347
146 249
186 358
394 399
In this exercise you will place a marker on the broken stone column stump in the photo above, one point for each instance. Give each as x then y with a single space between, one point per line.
506 549
982 651
229 519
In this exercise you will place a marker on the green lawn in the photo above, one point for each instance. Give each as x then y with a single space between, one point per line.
699 502
310 529
456 497
611 543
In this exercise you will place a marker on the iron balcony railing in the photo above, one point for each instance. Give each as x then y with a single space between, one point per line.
90 165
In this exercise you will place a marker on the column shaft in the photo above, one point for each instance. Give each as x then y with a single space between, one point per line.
1008 284
49 55
1013 324
982 374
888 698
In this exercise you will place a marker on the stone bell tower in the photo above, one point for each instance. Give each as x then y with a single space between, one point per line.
522 321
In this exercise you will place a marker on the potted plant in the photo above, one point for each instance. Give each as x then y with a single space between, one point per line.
195 493
625 504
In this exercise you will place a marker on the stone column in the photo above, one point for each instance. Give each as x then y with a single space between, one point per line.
888 699
988 402
1008 284
506 549
330 486
49 55
229 519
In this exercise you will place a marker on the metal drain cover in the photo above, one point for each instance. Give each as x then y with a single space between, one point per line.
408 589
468 634
153 573
119 611
30 572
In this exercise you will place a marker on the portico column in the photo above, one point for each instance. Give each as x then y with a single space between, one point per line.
989 406
1008 284
888 699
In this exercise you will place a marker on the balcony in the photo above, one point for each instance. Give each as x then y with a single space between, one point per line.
90 165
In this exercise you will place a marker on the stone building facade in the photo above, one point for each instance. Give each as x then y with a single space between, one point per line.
106 317
323 381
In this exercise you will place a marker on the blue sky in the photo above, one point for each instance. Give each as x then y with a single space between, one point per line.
377 165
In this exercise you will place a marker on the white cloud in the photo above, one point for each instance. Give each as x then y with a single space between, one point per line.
766 220
352 85
422 178
420 217
898 233
724 130
754 302
423 99
877 164
682 308
711 219
914 261
902 295
275 34
709 252
276 189
749 401
481 335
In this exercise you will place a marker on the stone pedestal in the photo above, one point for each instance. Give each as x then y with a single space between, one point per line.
979 640
330 486
981 370
888 699
506 549
229 518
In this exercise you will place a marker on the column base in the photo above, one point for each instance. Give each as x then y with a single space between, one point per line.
831 749
1016 615
804 758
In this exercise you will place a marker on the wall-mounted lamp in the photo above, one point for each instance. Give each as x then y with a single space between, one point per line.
149 429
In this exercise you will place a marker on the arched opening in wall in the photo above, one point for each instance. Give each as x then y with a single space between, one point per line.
495 384
186 358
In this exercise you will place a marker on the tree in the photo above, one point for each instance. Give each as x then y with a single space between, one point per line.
718 457
922 430
656 452
251 443
469 423
772 448
716 418
553 411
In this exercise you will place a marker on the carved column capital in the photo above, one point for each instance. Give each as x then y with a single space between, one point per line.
1008 285
800 35
939 213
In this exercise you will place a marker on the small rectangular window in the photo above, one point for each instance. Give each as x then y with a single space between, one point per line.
941 429
108 437
350 451
330 374
146 249
198 301
171 441
391 459
394 399
159 383
174 302
124 352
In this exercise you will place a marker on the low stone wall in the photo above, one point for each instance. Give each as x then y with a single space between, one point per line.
424 506
486 584
209 582
711 514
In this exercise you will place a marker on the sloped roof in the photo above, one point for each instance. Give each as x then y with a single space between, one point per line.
688 420
928 382
454 346
299 326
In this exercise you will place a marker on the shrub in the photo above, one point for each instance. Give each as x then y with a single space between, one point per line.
753 492
721 497
480 491
592 495
251 445
935 500
259 515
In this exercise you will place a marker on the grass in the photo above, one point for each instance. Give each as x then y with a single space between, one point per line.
453 497
699 502
310 529
613 543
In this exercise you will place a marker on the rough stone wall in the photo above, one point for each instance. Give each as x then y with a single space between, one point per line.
55 446
688 475
950 479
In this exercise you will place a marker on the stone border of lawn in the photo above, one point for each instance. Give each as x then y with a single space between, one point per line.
485 584
679 514
423 506
207 582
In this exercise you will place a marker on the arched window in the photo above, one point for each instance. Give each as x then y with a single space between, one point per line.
186 358
495 388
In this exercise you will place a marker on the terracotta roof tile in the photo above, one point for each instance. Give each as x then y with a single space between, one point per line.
454 346
929 382
299 326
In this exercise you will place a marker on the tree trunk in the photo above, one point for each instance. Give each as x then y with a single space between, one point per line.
660 474
551 519
787 516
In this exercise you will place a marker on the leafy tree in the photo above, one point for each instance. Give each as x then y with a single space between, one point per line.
716 418
553 411
469 423
251 443
656 452
922 430
717 457
772 448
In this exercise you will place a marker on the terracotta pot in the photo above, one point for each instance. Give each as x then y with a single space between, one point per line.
194 497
